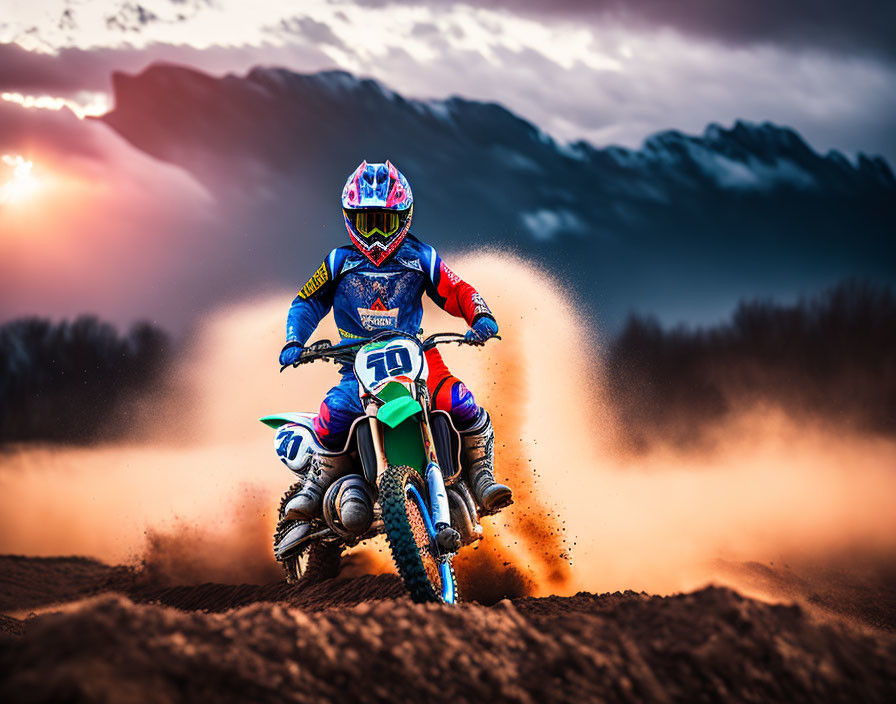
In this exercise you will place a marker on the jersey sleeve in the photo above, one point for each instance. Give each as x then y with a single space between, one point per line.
312 302
453 294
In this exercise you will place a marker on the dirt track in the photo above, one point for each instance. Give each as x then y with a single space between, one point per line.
361 639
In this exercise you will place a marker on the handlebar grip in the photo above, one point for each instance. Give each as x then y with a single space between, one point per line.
307 357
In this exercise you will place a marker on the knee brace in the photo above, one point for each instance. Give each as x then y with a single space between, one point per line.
454 396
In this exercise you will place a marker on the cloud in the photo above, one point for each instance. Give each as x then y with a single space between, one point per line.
664 81
131 17
60 134
605 85
71 70
308 29
68 71
597 80
862 26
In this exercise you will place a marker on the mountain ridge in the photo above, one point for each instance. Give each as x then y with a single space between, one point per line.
279 144
742 139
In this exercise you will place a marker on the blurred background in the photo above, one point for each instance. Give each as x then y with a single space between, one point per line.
688 209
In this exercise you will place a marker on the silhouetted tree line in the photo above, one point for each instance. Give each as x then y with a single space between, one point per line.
831 356
71 381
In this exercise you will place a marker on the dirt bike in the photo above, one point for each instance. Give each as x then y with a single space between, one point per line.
404 457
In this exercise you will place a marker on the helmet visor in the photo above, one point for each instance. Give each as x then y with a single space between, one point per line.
368 223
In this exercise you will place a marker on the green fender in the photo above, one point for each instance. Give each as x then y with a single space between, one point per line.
395 412
278 419
402 436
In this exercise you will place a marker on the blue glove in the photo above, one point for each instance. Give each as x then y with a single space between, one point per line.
482 329
290 353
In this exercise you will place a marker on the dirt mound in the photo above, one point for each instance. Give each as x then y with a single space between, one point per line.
711 645
29 582
33 583
11 626
362 639
859 586
311 597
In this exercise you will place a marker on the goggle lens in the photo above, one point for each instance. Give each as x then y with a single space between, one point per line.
376 222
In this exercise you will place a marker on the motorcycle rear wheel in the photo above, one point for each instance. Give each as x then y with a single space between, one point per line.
313 564
427 576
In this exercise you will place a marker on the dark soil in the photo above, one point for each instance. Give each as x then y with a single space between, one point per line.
27 582
860 587
363 640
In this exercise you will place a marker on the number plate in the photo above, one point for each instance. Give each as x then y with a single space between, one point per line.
379 362
294 444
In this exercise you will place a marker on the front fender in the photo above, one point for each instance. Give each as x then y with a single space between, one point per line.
398 410
403 441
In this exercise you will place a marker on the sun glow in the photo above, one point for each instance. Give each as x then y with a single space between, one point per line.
92 104
21 183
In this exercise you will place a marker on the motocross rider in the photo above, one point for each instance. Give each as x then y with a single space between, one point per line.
374 284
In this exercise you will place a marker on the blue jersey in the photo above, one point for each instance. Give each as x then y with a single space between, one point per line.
367 299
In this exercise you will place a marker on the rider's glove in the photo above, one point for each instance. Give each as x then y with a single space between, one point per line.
290 353
481 330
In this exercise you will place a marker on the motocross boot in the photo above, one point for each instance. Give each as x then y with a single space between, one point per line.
355 503
323 471
479 460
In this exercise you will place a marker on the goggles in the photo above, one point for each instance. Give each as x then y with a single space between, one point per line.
368 223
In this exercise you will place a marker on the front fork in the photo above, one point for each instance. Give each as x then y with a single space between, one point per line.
435 481
438 495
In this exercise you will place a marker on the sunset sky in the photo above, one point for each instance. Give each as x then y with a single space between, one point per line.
609 72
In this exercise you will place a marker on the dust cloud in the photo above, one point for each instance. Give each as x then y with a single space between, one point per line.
195 497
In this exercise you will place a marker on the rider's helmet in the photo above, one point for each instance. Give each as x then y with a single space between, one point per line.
378 205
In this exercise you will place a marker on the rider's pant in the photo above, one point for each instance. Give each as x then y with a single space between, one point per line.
342 404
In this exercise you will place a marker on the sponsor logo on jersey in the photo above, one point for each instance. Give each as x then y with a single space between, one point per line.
479 305
378 316
410 263
379 274
315 282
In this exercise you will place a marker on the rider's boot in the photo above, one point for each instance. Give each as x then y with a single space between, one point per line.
323 471
355 504
479 461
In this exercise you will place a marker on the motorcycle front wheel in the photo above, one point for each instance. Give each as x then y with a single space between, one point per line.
410 533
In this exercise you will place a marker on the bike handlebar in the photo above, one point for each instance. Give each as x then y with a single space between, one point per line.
344 353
